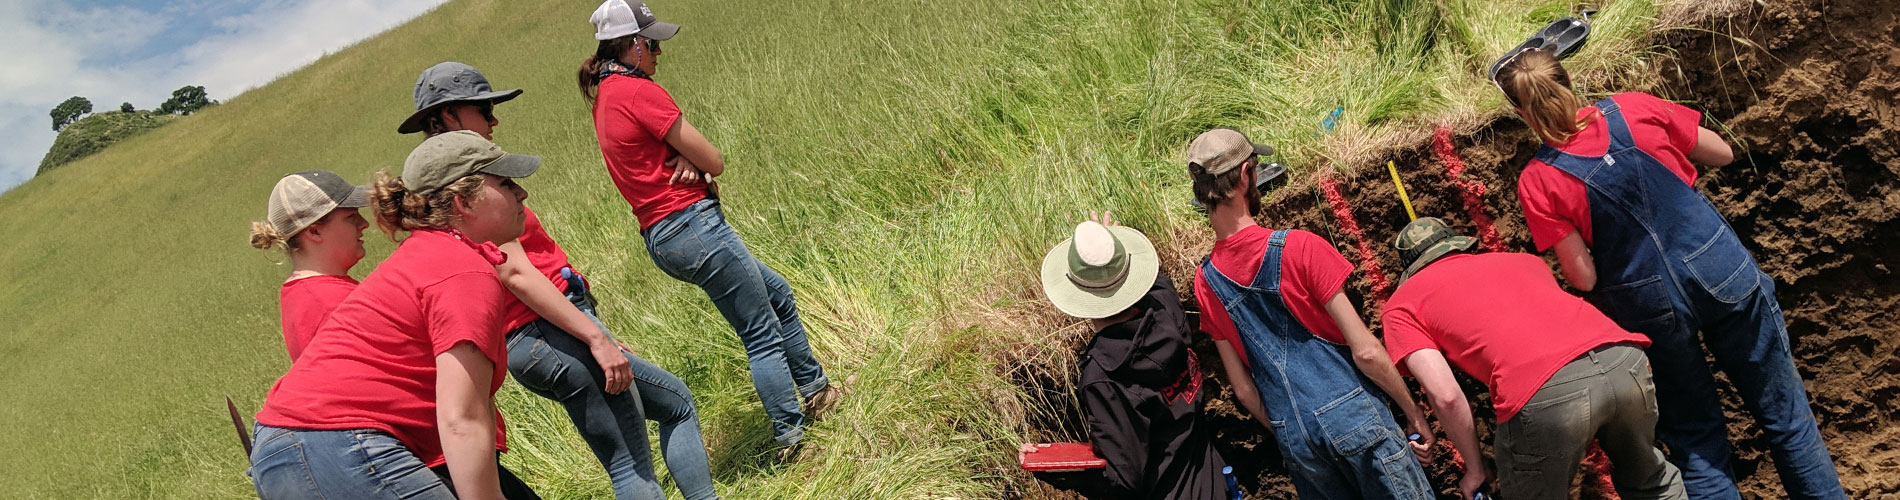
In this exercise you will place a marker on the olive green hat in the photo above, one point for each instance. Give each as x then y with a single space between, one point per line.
1100 272
1426 240
445 158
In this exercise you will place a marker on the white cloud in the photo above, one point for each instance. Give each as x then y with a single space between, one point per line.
56 50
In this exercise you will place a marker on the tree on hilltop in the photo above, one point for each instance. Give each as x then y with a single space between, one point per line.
70 111
186 100
126 107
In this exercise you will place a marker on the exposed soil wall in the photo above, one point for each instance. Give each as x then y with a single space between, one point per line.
1807 88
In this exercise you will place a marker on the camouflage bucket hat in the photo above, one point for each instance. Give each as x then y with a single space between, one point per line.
1425 240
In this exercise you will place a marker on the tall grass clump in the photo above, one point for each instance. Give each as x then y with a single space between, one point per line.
903 164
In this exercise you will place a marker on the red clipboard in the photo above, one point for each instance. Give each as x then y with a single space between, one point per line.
1060 457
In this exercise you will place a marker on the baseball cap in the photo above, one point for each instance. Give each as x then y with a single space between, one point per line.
303 198
446 83
617 18
1220 150
445 158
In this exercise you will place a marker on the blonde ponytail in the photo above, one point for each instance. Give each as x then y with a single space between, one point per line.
1540 88
265 238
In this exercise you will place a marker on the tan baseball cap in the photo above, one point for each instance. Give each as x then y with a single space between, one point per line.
445 158
303 198
1220 150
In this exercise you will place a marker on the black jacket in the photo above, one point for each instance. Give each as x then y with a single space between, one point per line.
1141 396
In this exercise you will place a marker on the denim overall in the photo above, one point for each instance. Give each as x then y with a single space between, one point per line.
1668 265
1339 439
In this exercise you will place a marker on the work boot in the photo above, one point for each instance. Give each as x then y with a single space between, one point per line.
825 399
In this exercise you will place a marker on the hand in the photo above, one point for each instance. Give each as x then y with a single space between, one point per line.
1415 424
1476 474
613 364
1106 218
685 172
625 348
1028 448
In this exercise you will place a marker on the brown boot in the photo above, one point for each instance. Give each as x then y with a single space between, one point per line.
825 399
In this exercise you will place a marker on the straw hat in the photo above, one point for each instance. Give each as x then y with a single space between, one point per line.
1100 272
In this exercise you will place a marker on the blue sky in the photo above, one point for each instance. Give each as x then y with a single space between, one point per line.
140 51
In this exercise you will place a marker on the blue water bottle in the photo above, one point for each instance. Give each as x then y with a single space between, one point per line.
1482 493
1233 486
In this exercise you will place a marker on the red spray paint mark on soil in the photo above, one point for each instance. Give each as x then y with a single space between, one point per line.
1472 189
1375 275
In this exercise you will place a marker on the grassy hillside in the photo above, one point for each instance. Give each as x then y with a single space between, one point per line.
902 163
93 133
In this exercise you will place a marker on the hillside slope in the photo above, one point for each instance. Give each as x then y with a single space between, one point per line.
96 132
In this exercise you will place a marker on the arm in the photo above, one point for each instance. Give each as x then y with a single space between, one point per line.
1370 356
1242 381
533 289
466 418
1580 269
695 152
1119 436
1710 149
1454 413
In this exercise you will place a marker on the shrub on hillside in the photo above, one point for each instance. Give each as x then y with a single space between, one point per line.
67 112
93 133
186 100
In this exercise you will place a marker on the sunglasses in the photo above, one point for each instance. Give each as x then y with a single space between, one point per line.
653 45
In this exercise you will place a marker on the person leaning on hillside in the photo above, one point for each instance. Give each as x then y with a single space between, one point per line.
403 373
1140 386
1560 373
313 216
557 346
1612 190
1299 357
664 169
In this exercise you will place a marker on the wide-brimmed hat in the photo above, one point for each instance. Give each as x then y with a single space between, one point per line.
1425 240
303 198
1100 271
617 18
445 158
448 83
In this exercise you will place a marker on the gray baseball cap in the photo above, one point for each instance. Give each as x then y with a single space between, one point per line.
450 82
1220 150
618 18
303 198
445 158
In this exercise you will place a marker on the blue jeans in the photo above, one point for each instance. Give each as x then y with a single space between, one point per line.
695 245
553 364
360 463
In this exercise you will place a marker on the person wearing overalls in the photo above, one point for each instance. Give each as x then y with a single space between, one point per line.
1612 191
1299 357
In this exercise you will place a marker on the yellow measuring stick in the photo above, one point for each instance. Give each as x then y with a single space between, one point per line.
1407 200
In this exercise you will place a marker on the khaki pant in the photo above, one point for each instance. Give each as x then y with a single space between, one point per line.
1606 394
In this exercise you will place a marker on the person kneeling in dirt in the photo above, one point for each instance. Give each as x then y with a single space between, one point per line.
1559 371
1612 189
1293 345
1140 386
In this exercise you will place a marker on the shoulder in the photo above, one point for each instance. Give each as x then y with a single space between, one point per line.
432 256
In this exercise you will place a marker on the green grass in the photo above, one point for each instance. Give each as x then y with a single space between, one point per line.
903 164
96 132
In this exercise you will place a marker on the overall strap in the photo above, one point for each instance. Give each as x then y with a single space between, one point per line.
1619 128
1268 278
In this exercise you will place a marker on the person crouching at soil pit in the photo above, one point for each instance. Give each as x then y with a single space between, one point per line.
557 346
312 215
1293 346
1140 385
664 168
403 373
1560 373
1612 190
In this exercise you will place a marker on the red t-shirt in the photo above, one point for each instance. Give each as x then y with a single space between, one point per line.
1555 203
1311 271
631 118
547 257
305 302
372 365
1501 318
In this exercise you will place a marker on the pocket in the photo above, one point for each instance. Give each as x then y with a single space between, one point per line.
1398 471
1723 267
679 248
283 473
1358 416
1642 306
1645 378
527 361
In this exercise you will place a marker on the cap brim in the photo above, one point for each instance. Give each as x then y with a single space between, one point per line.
1072 300
1262 150
659 31
358 198
413 123
512 165
1437 250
